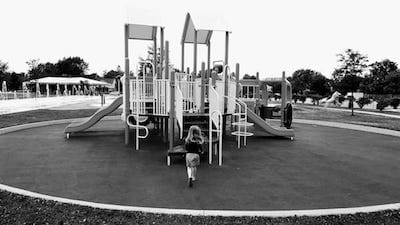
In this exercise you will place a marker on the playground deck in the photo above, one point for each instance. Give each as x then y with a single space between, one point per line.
322 168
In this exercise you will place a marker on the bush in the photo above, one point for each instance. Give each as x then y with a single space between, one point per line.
382 103
295 98
341 99
315 98
363 101
302 98
394 102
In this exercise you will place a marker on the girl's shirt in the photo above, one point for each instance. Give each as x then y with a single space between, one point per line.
193 147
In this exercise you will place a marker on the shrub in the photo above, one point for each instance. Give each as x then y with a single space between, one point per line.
341 99
295 98
315 98
363 101
394 102
302 98
382 103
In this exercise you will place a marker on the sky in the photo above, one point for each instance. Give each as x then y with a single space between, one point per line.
267 36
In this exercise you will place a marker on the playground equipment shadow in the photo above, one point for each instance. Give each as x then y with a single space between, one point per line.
322 168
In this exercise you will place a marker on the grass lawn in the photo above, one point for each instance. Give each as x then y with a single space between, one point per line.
321 113
17 209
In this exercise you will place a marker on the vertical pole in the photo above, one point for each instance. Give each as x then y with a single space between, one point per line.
183 56
257 93
214 78
208 60
195 55
283 96
237 80
166 77
126 85
155 72
226 81
162 51
172 111
203 79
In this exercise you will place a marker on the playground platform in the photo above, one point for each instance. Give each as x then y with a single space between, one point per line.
324 167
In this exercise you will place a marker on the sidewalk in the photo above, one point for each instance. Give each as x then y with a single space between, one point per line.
60 103
355 111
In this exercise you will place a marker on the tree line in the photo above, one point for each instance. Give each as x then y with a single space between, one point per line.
65 67
354 74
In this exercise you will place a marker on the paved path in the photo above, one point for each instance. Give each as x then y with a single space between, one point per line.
324 167
355 111
55 103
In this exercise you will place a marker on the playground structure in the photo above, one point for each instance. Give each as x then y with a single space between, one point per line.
170 99
332 100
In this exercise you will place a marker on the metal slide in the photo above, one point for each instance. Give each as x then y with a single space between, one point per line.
102 112
275 131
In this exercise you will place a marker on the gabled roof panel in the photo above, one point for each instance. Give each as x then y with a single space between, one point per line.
204 27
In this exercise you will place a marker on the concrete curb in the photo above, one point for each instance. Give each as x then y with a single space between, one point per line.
350 127
224 213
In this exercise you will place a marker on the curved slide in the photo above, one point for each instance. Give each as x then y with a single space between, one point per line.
98 115
275 131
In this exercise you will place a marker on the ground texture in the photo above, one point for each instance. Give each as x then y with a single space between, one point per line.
15 209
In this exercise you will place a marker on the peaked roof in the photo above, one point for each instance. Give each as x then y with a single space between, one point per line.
204 27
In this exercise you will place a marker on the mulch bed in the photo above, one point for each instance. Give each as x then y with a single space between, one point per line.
18 209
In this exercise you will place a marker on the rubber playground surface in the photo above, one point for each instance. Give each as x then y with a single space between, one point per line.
323 167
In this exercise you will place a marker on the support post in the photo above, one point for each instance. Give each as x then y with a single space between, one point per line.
202 92
237 71
126 85
155 72
257 93
283 96
213 78
208 60
162 52
172 111
195 55
226 81
183 56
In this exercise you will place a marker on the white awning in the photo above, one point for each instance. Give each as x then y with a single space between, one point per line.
69 81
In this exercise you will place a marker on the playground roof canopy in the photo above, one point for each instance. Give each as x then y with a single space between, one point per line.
69 80
204 25
142 32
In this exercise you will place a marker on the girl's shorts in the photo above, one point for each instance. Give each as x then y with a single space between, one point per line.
192 159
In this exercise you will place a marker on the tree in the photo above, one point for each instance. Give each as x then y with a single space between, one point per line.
71 66
376 80
392 83
247 76
3 67
112 73
319 85
394 102
363 101
347 77
304 80
301 80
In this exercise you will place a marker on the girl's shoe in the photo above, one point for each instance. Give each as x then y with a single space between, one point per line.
190 182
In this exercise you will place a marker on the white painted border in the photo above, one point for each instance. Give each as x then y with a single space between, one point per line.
225 213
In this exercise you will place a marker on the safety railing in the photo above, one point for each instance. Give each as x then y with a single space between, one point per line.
179 109
161 91
215 118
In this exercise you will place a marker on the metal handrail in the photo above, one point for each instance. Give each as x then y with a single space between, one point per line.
218 130
137 126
